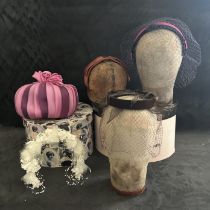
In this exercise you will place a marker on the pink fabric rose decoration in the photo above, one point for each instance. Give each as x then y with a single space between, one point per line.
47 76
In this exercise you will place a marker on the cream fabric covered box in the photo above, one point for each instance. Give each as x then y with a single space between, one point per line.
168 139
56 154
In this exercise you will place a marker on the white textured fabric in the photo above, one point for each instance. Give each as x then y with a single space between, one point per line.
168 139
98 142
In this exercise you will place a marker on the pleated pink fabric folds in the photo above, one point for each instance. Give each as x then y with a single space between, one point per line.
48 98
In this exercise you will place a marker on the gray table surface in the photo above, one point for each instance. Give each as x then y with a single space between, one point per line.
181 182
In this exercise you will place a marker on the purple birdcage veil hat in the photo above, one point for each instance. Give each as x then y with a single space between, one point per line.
191 50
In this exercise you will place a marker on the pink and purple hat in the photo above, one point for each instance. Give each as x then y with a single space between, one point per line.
48 98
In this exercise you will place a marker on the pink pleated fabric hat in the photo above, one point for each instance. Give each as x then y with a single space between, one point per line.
48 98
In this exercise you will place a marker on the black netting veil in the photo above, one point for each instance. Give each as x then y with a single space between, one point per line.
191 50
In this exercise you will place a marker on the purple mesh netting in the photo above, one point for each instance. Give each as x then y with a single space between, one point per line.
191 50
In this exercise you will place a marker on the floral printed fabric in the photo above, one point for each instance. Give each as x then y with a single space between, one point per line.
56 154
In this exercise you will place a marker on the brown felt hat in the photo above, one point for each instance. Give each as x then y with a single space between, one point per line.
102 75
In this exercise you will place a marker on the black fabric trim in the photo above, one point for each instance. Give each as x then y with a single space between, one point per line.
147 100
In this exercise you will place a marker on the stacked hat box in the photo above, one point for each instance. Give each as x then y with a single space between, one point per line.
80 124
167 144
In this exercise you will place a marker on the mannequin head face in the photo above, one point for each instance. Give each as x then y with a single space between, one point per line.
158 59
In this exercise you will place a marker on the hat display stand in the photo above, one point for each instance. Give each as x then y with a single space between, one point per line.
165 55
158 67
131 134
